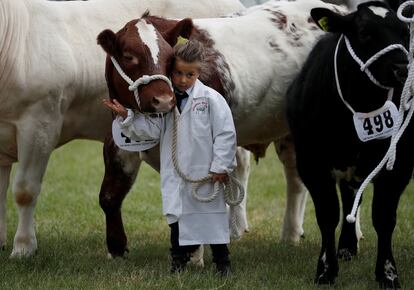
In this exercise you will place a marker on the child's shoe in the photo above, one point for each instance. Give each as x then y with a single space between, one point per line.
178 263
223 267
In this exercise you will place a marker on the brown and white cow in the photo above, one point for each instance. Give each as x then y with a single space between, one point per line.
52 83
253 57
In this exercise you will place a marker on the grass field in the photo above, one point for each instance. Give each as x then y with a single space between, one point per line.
71 236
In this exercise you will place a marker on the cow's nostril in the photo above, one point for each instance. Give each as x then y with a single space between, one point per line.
155 101
400 72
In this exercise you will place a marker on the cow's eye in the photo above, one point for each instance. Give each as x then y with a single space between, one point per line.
130 59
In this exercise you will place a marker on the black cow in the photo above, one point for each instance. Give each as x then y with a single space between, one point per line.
325 137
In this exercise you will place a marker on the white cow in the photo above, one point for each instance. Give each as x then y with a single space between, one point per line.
52 82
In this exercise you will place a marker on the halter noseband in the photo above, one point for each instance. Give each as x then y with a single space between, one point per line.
145 79
364 66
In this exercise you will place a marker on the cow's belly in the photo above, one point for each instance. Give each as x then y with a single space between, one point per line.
260 127
8 145
83 120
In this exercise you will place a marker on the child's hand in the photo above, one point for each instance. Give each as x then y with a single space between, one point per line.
116 107
220 177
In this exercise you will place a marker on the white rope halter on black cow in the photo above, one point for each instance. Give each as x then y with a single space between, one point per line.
405 103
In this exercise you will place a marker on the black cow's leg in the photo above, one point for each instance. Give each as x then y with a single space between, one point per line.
387 191
327 214
121 168
348 241
384 207
388 187
322 188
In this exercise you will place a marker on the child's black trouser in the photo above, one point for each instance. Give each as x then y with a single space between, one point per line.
220 251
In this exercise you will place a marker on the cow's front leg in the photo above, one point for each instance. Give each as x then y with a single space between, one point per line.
384 217
296 193
4 184
36 138
121 168
318 179
327 214
384 220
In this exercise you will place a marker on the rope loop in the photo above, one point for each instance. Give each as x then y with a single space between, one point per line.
231 196
400 10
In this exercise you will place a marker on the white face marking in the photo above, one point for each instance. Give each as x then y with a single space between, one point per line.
149 38
389 271
380 11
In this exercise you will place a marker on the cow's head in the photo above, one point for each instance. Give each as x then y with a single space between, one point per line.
138 58
370 29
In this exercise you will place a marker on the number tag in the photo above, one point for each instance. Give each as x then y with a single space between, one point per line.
128 144
377 124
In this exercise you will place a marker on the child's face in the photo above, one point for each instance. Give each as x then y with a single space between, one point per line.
185 74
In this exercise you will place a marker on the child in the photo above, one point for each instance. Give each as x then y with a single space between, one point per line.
206 143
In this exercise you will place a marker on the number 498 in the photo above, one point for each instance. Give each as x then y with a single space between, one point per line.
379 121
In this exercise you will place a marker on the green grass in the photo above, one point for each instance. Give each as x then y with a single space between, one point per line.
71 236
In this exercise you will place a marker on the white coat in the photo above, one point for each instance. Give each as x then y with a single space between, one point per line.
206 142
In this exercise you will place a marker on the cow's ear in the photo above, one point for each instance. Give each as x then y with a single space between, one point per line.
107 39
328 20
183 28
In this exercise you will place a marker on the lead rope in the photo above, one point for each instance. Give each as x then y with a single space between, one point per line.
233 189
401 125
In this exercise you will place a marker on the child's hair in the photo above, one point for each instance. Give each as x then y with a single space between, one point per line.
190 51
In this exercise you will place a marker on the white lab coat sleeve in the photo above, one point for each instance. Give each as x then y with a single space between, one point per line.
140 127
224 136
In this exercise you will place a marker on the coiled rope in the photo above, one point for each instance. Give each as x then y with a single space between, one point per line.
233 189
231 196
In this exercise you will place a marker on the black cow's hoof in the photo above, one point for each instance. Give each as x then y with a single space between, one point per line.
118 252
324 279
389 283
345 254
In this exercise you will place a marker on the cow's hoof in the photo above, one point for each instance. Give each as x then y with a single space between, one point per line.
345 254
389 283
21 254
110 256
324 279
24 250
117 252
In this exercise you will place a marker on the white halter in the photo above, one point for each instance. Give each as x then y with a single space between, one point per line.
145 79
364 66
405 104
